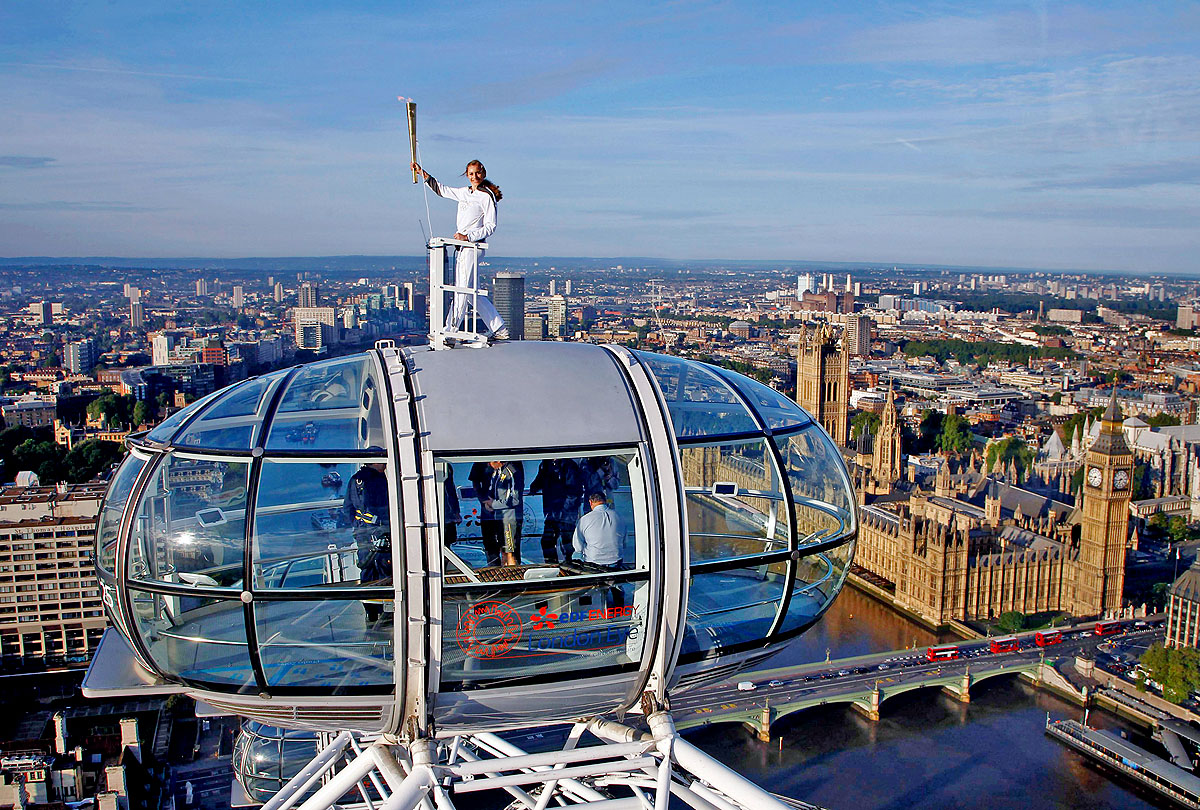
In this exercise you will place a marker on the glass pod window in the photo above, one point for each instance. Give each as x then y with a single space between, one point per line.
323 530
190 526
546 565
735 501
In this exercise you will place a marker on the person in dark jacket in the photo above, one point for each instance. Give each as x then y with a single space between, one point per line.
366 509
560 482
481 479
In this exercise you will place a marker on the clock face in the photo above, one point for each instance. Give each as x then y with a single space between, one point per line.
1095 477
1121 479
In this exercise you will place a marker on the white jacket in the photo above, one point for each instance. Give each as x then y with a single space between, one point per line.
476 210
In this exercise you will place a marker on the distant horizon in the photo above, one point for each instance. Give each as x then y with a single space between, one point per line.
782 265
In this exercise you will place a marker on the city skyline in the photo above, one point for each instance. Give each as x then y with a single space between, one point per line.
1052 137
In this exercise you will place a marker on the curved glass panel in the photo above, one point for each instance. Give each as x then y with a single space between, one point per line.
331 644
701 403
195 637
321 524
823 501
166 429
777 411
819 578
190 524
732 607
109 525
735 501
331 406
233 422
556 628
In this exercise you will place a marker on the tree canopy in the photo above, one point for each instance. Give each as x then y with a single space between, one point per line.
1176 669
1012 449
982 352
955 435
864 420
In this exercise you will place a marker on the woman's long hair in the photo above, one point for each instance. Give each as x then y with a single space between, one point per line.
485 183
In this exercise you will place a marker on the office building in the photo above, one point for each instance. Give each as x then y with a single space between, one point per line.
535 326
30 411
239 297
309 294
162 347
278 291
508 294
858 335
316 327
1183 609
556 320
50 605
137 315
81 356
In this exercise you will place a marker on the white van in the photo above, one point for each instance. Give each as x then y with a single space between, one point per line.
746 686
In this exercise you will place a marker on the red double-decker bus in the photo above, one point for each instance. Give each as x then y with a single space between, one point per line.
1045 638
1107 628
945 652
1005 644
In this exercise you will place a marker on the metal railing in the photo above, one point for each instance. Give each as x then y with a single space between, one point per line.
441 334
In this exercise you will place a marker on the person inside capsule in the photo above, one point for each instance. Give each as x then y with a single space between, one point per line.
365 509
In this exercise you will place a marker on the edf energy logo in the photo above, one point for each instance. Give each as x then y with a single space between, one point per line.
488 629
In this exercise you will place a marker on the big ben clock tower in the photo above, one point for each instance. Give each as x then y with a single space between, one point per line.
1108 474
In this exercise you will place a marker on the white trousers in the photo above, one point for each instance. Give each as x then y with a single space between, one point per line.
466 274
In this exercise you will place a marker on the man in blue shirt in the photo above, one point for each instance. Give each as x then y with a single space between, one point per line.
599 533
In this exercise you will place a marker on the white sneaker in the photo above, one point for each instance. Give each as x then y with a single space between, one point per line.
501 334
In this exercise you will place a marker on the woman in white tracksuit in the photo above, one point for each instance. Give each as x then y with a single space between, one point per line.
476 222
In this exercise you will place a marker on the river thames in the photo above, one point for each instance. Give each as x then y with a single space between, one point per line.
928 750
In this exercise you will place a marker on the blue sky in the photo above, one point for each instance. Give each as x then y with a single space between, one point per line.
1010 134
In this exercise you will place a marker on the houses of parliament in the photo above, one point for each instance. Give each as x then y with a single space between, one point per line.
967 543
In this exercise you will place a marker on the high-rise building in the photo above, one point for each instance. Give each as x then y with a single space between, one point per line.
45 313
81 356
137 315
278 291
858 335
133 293
553 287
567 288
310 294
823 380
201 286
162 346
239 297
1100 577
58 619
316 327
350 318
1185 317
556 317
508 294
